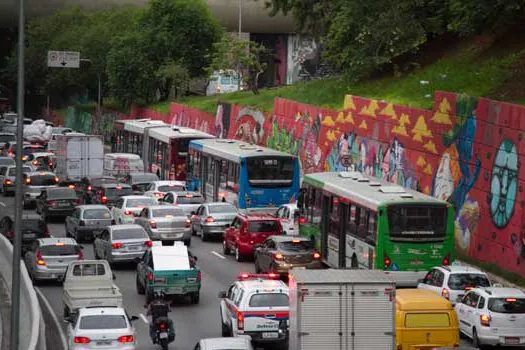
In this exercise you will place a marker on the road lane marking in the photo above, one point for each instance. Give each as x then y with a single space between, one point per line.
144 318
2 204
217 254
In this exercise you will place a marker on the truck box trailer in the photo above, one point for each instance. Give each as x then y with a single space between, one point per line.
79 156
342 310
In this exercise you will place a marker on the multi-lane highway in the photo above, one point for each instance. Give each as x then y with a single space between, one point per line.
192 322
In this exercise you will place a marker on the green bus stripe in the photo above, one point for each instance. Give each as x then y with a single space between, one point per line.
314 182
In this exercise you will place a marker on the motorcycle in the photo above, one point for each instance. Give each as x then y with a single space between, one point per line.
162 331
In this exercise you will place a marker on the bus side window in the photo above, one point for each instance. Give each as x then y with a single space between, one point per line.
352 226
317 209
372 228
211 172
224 173
362 224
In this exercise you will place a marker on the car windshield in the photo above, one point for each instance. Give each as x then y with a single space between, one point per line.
167 188
164 212
96 214
34 225
460 281
138 179
269 300
222 209
12 171
296 245
103 322
7 161
43 180
133 233
66 193
507 305
140 202
263 226
194 199
57 249
115 192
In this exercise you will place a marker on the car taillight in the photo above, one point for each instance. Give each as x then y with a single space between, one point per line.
127 212
81 340
51 203
80 255
35 162
162 326
386 262
209 219
7 182
57 179
116 245
149 276
484 320
278 256
153 223
89 188
71 186
445 293
302 220
81 223
39 259
187 223
316 255
126 339
28 180
148 243
446 260
104 199
240 321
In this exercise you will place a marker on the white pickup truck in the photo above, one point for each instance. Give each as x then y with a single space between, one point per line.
89 283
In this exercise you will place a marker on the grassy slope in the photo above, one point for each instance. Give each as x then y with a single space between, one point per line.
464 71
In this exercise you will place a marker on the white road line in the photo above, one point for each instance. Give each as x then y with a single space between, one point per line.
217 254
144 319
2 204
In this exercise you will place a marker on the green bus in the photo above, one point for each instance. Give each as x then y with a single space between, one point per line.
359 222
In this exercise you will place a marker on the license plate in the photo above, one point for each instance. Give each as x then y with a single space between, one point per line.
64 204
270 335
512 340
53 275
163 335
104 342
133 248
175 290
30 235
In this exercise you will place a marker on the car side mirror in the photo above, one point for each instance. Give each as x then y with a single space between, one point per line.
222 295
133 318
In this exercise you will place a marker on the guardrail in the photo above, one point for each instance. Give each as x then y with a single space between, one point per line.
31 323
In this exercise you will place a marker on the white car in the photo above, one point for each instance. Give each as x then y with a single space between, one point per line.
127 207
230 343
290 218
493 316
158 189
101 328
453 282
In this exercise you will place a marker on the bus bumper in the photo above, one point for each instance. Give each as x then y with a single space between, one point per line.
406 279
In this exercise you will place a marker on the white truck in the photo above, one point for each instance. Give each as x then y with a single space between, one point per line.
79 156
342 310
89 283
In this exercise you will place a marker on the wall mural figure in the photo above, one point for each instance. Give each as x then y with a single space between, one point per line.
222 120
249 126
462 136
310 152
447 175
503 184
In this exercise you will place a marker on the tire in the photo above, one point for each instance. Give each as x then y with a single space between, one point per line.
204 236
149 297
225 249
140 288
238 255
187 243
195 298
225 330
475 340
67 313
257 267
164 344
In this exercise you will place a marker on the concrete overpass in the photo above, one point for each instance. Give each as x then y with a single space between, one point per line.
254 16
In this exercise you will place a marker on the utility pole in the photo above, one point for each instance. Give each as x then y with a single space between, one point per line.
240 19
17 246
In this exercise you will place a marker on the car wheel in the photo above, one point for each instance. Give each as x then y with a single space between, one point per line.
187 243
238 256
195 298
204 237
257 267
140 287
225 330
475 340
225 249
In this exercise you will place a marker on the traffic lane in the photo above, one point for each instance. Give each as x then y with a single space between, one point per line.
192 322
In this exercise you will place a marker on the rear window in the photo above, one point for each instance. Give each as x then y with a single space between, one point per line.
12 171
143 178
118 191
33 225
168 188
507 305
67 193
161 213
103 322
43 180
67 249
89 270
297 245
129 234
427 320
190 200
7 161
96 214
140 202
220 209
263 226
269 299
141 187
460 281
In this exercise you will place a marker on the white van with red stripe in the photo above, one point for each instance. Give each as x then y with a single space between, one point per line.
256 305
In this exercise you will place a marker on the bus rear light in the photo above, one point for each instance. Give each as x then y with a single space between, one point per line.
484 320
445 293
387 262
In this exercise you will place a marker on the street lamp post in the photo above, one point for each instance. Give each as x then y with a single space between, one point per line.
240 19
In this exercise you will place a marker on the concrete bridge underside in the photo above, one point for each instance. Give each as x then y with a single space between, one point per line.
254 16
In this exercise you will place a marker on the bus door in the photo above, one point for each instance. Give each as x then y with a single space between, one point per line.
203 175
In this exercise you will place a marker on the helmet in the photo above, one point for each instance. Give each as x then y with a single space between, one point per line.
159 295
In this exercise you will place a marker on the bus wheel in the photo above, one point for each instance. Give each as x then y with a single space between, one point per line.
355 263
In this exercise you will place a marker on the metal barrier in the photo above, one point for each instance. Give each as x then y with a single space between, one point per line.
31 322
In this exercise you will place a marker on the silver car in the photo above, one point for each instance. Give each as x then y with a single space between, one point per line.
121 243
8 176
211 219
48 258
87 220
187 200
34 183
231 343
165 223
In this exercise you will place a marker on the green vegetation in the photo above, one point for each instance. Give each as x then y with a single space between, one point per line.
464 72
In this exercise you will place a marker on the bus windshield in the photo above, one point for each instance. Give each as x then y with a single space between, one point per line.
270 171
417 222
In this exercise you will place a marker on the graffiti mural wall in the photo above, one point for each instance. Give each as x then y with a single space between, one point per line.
303 58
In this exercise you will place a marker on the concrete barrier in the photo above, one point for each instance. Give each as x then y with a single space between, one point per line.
31 321
54 335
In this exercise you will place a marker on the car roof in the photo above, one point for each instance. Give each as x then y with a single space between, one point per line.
113 185
92 311
92 206
289 238
123 227
218 204
161 207
502 292
420 299
461 269
168 182
54 240
38 173
263 283
232 343
183 193
135 197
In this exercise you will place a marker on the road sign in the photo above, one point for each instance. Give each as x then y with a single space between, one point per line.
63 59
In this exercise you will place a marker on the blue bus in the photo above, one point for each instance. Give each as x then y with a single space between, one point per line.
251 177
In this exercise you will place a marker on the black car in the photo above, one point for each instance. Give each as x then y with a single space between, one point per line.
57 201
33 228
109 194
89 183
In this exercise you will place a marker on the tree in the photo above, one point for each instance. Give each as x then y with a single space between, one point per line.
243 57
173 76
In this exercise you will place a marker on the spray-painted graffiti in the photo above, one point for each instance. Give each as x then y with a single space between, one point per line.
222 120
303 58
249 126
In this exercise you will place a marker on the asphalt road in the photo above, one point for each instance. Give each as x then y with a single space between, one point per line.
192 322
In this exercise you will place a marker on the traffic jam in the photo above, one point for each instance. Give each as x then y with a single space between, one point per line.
341 260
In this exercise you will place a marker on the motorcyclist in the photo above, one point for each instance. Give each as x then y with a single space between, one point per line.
159 308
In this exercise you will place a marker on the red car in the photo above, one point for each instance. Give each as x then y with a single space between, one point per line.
248 231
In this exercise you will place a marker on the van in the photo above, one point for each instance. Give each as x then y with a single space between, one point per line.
122 164
222 82
424 321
